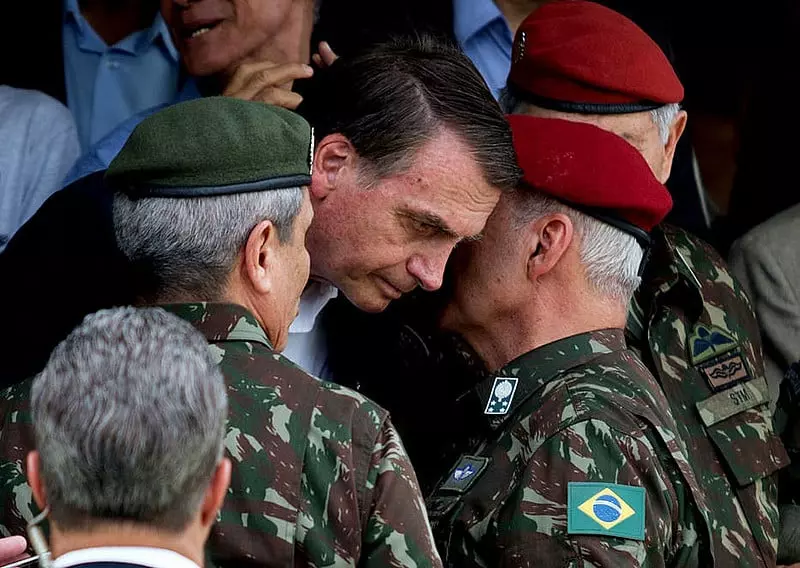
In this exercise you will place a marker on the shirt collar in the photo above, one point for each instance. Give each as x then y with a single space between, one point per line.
315 297
670 268
136 555
536 368
156 32
221 322
471 16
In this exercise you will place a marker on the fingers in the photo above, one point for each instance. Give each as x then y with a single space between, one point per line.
278 97
11 547
326 56
254 78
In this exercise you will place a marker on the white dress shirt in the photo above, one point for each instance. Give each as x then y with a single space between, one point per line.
306 345
141 555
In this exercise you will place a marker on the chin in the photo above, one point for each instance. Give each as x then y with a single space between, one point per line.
203 63
369 303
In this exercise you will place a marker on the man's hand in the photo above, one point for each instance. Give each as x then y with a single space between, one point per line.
12 548
325 57
268 83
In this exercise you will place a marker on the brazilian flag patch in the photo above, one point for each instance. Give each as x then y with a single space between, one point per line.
606 509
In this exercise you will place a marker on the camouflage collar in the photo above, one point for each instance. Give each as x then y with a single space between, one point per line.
528 373
669 266
221 322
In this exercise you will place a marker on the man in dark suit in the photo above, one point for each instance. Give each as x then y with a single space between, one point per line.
129 417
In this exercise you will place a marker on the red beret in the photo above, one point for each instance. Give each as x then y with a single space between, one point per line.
590 169
578 56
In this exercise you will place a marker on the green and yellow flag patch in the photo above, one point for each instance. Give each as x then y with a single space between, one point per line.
606 509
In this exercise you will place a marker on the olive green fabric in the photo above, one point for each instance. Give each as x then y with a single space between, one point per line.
214 146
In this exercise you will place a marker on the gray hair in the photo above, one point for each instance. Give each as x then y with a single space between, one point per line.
610 257
129 417
663 116
188 246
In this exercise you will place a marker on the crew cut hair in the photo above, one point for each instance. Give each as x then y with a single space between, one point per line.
129 418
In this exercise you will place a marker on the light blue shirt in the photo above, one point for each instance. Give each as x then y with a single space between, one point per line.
99 156
484 35
106 85
38 144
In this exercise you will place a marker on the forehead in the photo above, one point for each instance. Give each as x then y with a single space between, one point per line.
445 180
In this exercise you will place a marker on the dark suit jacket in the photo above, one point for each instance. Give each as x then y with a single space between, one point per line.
60 266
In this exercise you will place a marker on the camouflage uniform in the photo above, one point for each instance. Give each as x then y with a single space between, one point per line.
703 345
579 410
320 477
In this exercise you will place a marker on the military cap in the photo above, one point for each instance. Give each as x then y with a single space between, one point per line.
578 56
214 146
591 170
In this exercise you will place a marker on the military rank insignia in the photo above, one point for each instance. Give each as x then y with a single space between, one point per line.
606 509
519 47
467 471
716 354
502 395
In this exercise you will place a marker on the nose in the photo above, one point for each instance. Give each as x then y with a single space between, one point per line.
428 269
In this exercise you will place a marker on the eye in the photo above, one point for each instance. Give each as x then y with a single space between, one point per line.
424 229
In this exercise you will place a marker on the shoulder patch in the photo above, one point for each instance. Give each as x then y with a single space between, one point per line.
467 471
708 341
606 509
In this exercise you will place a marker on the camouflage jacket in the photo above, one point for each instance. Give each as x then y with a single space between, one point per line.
694 328
320 476
577 425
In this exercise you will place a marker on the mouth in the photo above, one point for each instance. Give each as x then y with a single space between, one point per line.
388 289
197 29
392 291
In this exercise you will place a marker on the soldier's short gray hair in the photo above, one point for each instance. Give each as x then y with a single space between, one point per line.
663 116
129 417
188 246
610 257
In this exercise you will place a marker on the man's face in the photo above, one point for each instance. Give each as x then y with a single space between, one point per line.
292 274
486 273
215 36
637 128
376 243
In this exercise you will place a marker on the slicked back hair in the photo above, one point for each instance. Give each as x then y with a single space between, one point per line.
392 98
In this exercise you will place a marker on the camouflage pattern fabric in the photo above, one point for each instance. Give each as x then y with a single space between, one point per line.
694 328
320 476
581 409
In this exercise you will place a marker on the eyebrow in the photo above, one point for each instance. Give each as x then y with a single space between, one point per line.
433 220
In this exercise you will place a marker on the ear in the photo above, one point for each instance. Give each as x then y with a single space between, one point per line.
32 464
675 133
215 495
260 257
333 156
550 238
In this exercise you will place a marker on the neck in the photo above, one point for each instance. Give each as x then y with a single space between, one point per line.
115 20
126 535
515 11
545 319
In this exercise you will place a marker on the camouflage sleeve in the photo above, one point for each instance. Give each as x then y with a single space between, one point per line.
534 522
397 529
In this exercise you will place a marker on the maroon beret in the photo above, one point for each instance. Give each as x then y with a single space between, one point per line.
578 56
591 170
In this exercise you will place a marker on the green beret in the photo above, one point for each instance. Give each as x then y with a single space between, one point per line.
214 146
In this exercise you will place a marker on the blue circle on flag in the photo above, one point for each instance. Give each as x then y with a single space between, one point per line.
607 508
